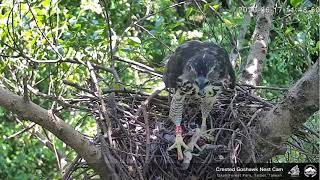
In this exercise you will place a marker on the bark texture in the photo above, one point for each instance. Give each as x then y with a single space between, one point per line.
272 130
251 74
278 124
27 110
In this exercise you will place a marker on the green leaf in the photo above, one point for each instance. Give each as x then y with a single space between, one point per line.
113 6
135 39
77 27
227 21
46 3
27 35
288 30
38 12
189 11
318 45
295 3
205 7
182 39
216 6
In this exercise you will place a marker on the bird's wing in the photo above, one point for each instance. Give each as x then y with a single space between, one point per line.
219 59
177 61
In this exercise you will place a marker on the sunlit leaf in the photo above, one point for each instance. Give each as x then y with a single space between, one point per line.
46 3
288 30
189 11
227 21
216 6
295 3
135 39
77 27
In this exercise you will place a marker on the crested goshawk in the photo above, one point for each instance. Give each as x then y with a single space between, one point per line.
196 70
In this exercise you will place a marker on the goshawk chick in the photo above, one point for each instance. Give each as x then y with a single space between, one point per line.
198 70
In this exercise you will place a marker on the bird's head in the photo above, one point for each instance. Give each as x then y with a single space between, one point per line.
200 78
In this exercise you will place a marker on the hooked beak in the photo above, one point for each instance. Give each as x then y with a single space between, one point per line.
201 92
200 82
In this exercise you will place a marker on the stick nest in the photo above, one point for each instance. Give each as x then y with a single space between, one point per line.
142 133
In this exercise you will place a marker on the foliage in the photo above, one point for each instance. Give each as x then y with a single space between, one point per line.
23 157
40 40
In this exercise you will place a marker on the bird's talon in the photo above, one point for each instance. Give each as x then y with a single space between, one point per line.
203 128
178 144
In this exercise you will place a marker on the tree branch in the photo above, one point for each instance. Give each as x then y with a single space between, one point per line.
30 111
278 124
235 51
252 71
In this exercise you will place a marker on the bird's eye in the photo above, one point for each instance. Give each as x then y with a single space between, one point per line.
206 83
186 83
